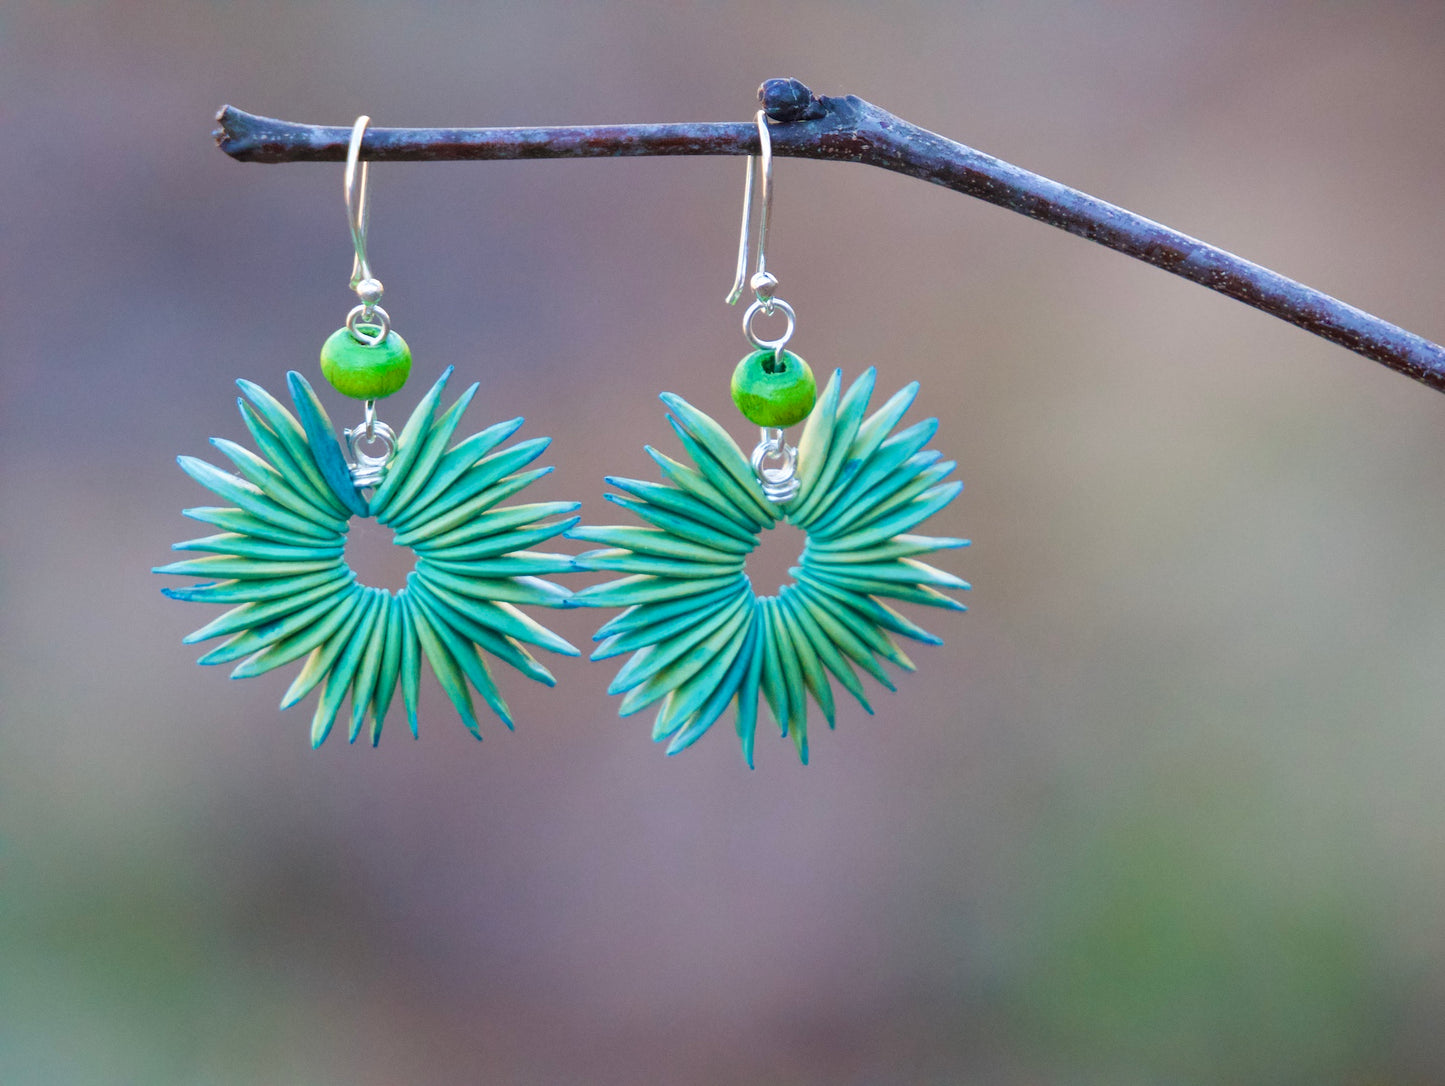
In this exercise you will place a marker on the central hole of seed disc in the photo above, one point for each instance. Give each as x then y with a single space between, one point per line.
377 560
779 548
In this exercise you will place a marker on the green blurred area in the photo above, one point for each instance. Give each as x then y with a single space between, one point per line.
1164 809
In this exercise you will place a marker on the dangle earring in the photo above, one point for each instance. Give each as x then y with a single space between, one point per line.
279 557
700 638
772 386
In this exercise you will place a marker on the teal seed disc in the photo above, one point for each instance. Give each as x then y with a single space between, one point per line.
279 561
774 392
700 640
362 371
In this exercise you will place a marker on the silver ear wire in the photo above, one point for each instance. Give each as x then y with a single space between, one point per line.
762 283
357 184
358 212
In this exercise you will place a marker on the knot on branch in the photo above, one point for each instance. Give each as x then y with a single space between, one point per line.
789 100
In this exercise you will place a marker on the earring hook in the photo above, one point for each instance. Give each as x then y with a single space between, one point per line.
762 282
368 322
358 210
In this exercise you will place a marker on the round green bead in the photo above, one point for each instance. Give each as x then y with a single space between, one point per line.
365 372
773 392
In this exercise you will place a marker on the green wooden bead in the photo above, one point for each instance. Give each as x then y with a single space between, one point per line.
365 372
773 394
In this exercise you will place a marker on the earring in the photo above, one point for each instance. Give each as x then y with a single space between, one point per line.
700 638
280 555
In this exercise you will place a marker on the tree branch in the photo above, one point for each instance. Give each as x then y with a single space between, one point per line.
851 130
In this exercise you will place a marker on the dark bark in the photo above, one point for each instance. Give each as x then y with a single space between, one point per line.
851 130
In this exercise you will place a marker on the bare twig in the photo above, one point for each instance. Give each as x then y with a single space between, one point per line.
851 130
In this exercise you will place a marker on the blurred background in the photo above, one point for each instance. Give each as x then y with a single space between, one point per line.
1165 808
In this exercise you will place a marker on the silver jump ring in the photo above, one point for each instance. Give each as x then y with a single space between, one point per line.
366 469
780 484
769 306
377 317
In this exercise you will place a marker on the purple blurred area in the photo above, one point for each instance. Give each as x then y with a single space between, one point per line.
1166 807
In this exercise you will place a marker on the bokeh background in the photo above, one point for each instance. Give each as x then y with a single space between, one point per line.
1167 806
